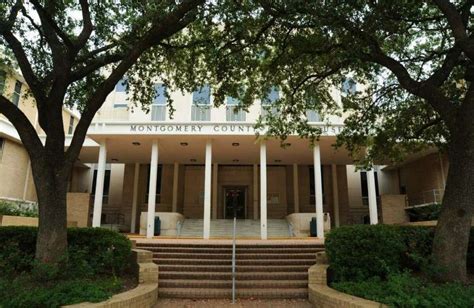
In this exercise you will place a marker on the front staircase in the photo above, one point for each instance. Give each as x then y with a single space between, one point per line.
204 270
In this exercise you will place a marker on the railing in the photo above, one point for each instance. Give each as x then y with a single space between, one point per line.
179 225
426 197
233 259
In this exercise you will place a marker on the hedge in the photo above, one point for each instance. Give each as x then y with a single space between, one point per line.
91 251
360 252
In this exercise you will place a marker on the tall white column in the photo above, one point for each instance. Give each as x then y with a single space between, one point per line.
374 219
263 190
296 194
215 171
207 191
99 185
335 194
255 191
174 204
150 230
135 197
318 191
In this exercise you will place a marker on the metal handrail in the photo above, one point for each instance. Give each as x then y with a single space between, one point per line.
233 259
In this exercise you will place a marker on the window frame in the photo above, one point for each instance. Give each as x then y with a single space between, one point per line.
3 81
70 130
16 95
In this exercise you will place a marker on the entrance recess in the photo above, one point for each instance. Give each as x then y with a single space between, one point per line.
234 202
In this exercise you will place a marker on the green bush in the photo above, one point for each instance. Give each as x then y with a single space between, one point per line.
91 251
424 213
17 209
363 251
359 252
405 290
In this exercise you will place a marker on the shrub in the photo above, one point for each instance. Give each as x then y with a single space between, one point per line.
359 252
17 209
424 213
91 251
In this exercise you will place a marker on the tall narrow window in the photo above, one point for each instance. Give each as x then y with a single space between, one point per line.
16 93
158 183
312 188
158 107
267 102
105 198
364 188
233 112
313 116
2 146
71 125
121 86
3 77
200 109
349 86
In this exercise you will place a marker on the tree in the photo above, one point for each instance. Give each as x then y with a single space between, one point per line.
64 50
415 61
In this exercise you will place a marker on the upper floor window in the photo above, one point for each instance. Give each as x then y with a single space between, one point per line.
158 107
349 86
71 125
3 77
2 146
121 86
200 109
16 93
233 112
272 96
313 116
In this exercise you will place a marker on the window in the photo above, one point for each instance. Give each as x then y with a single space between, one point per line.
272 96
71 125
313 116
349 86
312 188
121 86
158 107
365 189
158 183
201 109
233 112
16 93
2 146
120 105
3 77
105 198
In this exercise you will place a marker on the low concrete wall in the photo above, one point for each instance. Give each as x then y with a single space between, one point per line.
78 208
145 295
320 295
393 209
300 223
168 220
7 220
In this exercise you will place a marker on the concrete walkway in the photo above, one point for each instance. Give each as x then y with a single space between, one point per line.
247 303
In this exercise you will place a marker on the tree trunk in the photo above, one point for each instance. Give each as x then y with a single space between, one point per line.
51 189
452 231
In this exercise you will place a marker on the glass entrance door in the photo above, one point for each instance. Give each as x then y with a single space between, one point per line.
235 202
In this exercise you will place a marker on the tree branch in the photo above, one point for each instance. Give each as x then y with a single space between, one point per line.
87 28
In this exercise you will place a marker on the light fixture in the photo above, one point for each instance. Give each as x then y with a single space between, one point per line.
278 160
136 143
235 144
114 160
235 160
193 160
184 144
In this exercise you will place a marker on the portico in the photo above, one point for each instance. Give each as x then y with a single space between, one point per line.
190 168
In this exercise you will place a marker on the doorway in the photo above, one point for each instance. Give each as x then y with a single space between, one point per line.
235 202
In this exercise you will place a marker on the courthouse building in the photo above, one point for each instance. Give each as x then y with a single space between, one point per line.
205 165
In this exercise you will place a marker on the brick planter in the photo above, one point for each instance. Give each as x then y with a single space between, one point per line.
144 295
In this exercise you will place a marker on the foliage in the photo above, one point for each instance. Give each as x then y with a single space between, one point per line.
14 209
92 251
26 291
424 213
405 290
361 251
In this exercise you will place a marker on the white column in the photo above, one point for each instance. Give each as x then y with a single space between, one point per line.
318 191
150 230
214 190
99 185
296 197
263 190
174 205
335 194
374 219
135 198
207 191
255 191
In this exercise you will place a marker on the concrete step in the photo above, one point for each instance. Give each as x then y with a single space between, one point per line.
226 293
228 268
254 262
239 249
240 276
249 256
223 284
